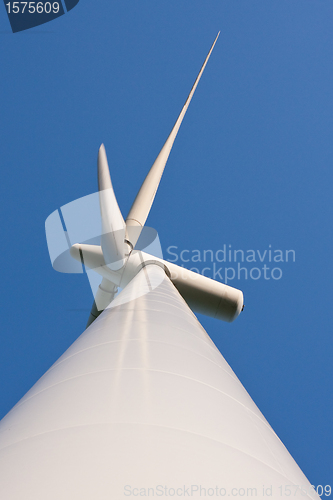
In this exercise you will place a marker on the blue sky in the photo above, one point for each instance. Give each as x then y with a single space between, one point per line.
251 167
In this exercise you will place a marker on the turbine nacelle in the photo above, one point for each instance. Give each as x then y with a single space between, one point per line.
202 294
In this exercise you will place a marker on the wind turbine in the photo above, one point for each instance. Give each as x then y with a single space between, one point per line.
143 403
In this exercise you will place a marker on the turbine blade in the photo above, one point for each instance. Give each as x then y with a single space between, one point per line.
113 225
142 204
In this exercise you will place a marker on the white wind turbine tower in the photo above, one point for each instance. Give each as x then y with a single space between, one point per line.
142 403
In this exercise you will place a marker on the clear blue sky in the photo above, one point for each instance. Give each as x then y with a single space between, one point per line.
251 167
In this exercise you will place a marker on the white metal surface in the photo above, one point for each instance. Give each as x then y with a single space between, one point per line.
142 399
